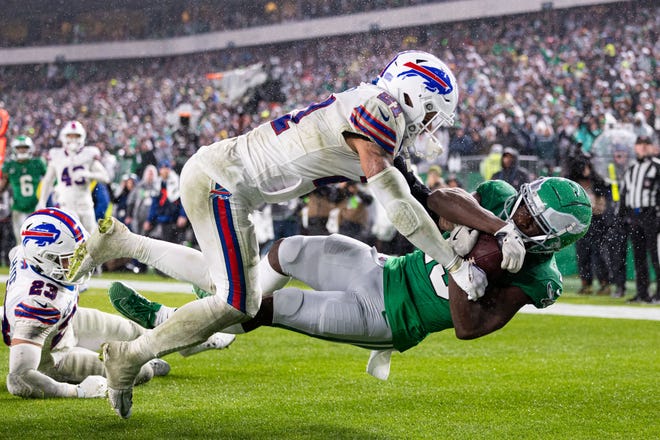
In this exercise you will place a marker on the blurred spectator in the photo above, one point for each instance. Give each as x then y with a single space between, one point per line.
492 163
286 219
454 182
434 178
145 156
511 172
461 143
167 219
354 203
545 146
318 205
593 249
588 131
121 209
185 142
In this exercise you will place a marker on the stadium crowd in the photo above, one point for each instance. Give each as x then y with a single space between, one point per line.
541 85
93 22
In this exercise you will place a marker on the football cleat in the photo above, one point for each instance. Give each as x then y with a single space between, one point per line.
132 305
200 293
160 367
112 239
121 375
217 341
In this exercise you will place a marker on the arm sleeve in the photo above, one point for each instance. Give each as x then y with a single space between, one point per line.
409 217
25 380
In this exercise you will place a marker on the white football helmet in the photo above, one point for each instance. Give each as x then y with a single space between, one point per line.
49 237
25 145
73 136
427 92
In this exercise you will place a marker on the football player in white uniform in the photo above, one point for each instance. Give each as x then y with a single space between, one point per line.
53 342
73 167
352 135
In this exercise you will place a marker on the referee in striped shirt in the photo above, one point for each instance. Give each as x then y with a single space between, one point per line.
639 202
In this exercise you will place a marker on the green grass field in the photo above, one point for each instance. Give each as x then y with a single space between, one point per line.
540 377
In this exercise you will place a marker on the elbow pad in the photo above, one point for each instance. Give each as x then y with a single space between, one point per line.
409 217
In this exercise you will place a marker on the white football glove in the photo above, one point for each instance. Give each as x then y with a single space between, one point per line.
92 387
513 247
470 278
463 239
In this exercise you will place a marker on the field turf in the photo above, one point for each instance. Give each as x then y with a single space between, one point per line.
540 377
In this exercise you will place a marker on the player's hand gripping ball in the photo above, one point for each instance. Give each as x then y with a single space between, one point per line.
487 254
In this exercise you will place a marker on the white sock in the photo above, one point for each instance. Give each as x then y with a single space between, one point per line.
180 262
192 324
269 279
163 314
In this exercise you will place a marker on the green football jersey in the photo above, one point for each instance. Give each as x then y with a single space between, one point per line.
24 178
416 287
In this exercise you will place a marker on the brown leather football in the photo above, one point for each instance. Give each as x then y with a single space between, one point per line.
488 256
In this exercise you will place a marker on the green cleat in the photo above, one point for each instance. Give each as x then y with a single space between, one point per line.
132 305
200 293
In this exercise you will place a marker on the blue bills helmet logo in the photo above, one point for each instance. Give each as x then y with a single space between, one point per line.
436 80
43 234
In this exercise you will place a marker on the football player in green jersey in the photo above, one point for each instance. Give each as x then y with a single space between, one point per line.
387 303
23 173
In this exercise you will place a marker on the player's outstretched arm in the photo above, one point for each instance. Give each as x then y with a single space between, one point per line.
25 380
473 319
460 207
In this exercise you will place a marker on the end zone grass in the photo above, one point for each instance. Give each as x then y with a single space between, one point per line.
539 377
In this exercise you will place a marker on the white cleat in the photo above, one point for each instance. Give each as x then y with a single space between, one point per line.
110 240
160 367
121 401
217 341
121 375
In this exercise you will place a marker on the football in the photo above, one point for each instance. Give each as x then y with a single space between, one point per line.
487 254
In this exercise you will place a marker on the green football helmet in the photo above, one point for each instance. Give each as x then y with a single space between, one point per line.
22 147
560 207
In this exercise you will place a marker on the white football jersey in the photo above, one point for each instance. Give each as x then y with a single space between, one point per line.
37 308
291 155
72 188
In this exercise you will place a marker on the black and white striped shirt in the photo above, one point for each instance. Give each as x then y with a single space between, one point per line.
641 184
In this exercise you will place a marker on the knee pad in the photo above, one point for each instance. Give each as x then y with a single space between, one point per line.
17 386
287 302
290 249
402 216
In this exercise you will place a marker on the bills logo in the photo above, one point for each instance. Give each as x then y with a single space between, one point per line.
220 193
42 235
436 80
